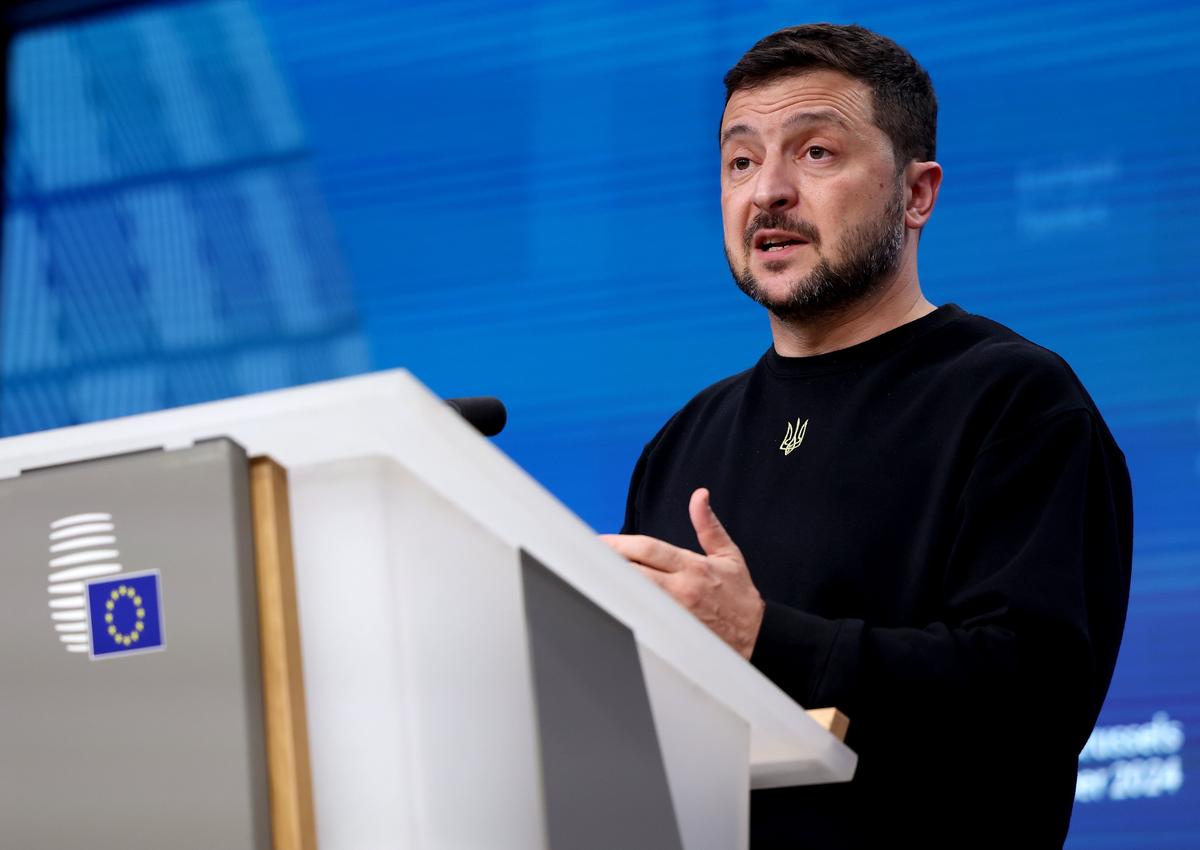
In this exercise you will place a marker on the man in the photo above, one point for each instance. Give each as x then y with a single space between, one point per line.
924 521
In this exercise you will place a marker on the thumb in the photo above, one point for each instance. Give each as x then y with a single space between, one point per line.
713 537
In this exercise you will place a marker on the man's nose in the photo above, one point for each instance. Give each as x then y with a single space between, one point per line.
775 189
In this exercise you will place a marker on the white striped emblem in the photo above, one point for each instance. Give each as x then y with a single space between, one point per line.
82 547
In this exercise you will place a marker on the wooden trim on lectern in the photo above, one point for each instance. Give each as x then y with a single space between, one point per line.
833 721
289 774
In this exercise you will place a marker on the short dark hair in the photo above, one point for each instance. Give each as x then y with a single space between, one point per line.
905 105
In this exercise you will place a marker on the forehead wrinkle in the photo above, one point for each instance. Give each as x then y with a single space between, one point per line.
828 92
804 118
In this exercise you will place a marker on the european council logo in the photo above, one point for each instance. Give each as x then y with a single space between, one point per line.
125 614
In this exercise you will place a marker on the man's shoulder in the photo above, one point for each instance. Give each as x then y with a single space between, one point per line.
721 392
710 404
988 338
1012 382
996 358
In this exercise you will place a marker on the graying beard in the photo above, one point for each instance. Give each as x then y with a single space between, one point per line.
871 256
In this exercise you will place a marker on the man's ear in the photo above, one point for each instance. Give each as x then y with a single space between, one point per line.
922 180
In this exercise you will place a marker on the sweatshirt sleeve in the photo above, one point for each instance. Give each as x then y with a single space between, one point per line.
630 525
1035 593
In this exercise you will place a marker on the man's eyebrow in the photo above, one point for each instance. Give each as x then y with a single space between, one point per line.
796 119
816 116
737 130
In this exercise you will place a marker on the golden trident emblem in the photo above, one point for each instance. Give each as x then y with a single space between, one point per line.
794 437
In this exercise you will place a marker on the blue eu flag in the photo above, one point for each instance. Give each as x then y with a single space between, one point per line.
125 613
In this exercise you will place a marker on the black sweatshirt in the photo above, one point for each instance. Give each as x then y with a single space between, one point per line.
944 546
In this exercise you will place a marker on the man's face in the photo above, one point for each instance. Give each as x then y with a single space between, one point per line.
812 205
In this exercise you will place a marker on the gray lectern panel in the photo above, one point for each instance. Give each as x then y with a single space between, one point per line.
131 705
602 769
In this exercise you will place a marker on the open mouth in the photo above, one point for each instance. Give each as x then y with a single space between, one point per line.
780 245
774 242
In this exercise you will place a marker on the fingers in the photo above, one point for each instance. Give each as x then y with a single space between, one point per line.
713 537
675 585
656 576
649 551
620 542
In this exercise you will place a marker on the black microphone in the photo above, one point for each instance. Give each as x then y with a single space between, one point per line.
485 412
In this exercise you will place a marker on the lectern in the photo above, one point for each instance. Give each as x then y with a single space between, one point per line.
458 662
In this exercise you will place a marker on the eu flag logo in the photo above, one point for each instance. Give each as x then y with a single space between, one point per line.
125 614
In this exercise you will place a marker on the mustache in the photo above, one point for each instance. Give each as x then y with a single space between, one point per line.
780 221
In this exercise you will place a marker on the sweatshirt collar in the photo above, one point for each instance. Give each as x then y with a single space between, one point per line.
864 353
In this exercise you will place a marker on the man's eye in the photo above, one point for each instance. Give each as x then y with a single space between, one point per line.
740 163
817 152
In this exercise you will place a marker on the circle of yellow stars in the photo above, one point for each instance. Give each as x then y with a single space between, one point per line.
139 625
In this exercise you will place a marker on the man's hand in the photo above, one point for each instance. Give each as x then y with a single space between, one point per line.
715 586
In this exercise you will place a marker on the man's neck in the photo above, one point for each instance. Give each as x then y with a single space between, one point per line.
894 305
